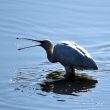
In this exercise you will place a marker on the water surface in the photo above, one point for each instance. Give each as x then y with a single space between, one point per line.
23 73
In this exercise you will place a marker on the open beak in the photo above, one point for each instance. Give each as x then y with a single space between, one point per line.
30 40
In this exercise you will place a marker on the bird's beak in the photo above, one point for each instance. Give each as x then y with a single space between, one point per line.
40 43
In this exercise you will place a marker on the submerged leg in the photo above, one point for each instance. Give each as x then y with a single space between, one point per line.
70 72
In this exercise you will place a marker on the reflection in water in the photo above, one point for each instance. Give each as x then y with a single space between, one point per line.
56 83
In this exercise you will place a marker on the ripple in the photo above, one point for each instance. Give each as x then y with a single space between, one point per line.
35 83
54 82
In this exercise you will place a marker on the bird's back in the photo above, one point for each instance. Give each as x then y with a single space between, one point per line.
71 54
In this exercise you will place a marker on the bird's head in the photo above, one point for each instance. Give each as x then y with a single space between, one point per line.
46 44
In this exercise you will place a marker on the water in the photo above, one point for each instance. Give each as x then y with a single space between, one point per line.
22 73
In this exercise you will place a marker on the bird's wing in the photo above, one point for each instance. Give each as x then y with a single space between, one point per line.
77 47
70 53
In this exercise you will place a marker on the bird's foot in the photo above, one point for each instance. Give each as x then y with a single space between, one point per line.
70 77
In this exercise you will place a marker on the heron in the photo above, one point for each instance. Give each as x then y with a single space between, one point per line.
68 53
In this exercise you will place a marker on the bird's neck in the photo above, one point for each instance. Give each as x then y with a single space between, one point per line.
50 55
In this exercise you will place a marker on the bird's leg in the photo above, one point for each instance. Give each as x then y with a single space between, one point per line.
73 71
70 72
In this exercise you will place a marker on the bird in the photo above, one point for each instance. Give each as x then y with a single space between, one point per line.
68 53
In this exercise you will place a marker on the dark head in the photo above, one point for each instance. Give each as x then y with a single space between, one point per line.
46 44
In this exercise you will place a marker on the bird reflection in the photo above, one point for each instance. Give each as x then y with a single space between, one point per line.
56 82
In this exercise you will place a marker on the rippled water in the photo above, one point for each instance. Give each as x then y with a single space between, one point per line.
27 80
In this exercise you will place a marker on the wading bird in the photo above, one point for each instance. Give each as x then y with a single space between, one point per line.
69 54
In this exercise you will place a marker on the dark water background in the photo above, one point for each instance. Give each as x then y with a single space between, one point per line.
83 21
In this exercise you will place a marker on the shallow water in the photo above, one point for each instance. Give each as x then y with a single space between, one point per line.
23 73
